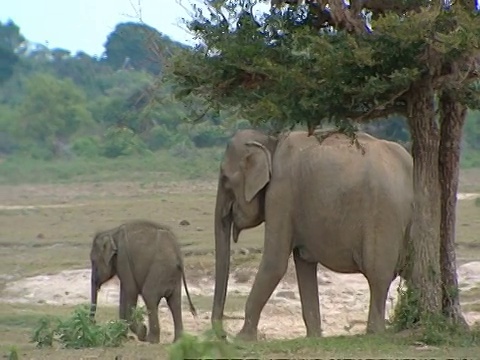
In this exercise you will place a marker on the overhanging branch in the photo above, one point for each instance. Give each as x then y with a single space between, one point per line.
376 113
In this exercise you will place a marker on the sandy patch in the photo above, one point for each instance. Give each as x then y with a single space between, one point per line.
343 300
467 196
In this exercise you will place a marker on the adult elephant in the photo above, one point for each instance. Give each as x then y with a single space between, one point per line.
346 207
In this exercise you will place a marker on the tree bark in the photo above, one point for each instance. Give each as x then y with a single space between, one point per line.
453 116
425 276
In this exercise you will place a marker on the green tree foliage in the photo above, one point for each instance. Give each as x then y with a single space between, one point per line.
121 141
10 39
137 46
10 36
53 110
283 71
83 70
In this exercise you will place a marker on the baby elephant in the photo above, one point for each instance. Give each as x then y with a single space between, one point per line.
146 258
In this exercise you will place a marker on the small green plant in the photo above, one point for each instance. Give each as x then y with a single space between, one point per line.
43 334
13 354
207 346
78 331
406 314
138 314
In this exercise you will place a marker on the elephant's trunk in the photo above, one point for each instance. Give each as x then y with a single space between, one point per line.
94 293
223 225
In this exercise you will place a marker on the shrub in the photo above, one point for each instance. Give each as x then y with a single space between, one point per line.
185 149
78 331
87 146
161 137
121 141
207 346
208 135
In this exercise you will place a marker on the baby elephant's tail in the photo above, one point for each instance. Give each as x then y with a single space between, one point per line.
192 308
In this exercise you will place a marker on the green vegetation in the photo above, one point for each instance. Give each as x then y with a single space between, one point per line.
55 105
59 106
78 331
207 346
179 162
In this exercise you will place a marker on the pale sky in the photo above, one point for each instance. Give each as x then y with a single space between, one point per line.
85 24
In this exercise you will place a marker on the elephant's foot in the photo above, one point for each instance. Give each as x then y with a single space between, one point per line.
375 329
153 338
219 332
177 337
316 333
141 331
247 335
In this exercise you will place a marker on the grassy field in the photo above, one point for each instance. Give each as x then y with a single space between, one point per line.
97 195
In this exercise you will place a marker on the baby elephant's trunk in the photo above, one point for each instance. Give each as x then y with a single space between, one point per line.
192 308
94 294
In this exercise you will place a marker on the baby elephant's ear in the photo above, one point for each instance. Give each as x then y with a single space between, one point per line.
109 248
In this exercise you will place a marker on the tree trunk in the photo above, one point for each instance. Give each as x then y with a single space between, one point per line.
425 278
452 120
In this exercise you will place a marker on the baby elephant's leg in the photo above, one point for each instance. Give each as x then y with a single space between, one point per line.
128 303
151 302
174 302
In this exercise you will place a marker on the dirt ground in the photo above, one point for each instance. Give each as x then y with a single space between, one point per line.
344 300
45 232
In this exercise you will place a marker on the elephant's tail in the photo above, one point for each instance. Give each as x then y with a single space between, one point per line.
192 308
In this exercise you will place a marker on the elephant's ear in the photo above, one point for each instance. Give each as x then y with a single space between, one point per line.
258 168
109 248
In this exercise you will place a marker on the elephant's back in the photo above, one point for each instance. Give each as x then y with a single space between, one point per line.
153 239
340 174
336 153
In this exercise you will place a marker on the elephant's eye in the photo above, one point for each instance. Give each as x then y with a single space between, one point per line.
225 181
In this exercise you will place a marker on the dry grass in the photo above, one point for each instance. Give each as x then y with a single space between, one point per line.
47 240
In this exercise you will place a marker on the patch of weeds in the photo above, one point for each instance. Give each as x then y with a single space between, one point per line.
138 314
435 329
79 331
406 314
13 354
206 346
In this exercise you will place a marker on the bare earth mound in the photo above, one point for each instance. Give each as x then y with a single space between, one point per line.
344 300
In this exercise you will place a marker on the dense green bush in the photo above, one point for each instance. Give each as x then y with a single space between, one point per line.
86 146
78 331
207 135
161 137
121 141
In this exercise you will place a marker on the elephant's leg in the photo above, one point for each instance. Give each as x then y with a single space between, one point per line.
308 288
151 302
379 286
122 310
274 264
129 300
174 302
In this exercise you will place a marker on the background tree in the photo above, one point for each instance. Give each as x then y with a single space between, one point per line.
10 39
323 62
137 46
53 110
